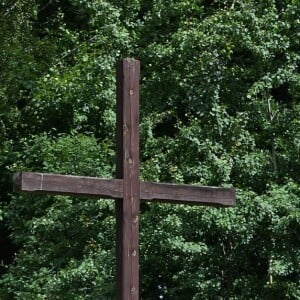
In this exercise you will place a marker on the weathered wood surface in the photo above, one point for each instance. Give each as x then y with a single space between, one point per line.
45 183
187 194
127 168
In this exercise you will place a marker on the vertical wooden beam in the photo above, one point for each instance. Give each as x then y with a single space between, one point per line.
127 209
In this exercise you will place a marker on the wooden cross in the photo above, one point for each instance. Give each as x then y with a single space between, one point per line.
127 189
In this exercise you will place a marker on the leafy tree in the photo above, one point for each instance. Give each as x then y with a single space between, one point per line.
220 106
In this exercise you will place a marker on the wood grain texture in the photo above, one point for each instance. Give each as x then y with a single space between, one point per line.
187 194
45 183
127 210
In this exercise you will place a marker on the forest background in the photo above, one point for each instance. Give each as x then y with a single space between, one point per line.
220 105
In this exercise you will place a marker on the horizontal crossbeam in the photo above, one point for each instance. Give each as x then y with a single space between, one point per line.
45 183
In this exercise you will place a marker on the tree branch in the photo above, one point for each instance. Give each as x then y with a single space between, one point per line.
11 8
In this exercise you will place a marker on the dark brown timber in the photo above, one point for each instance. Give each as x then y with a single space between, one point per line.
127 190
45 183
127 211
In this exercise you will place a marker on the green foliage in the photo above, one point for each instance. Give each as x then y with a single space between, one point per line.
63 238
220 106
225 253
